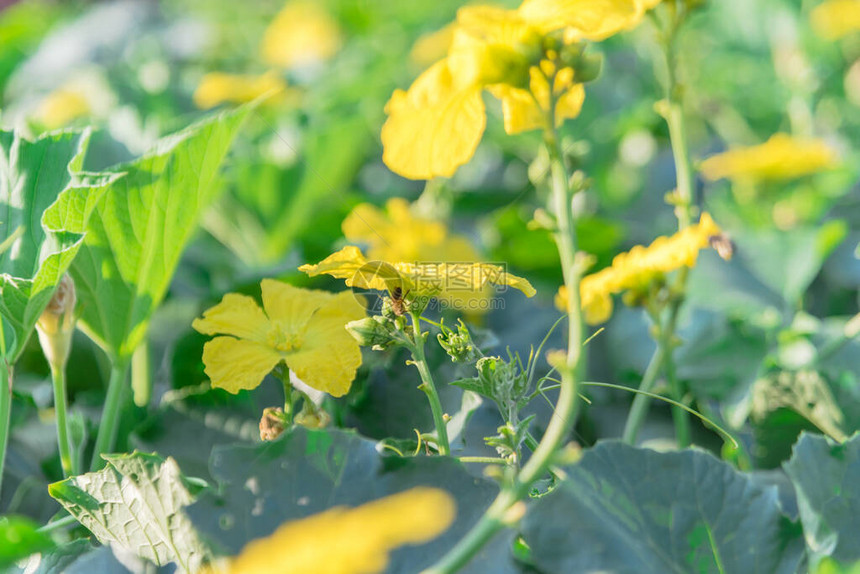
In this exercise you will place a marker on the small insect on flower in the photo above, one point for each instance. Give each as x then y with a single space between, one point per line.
397 301
723 245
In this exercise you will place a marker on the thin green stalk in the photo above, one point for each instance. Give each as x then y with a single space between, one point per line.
106 438
502 512
67 458
5 411
639 409
427 385
482 460
282 372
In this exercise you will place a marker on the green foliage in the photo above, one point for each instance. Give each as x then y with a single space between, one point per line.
826 476
305 471
632 510
141 227
20 537
137 502
46 203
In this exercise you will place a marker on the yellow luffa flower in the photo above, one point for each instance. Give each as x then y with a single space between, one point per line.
396 234
432 46
781 157
836 19
302 33
218 88
61 107
417 279
364 537
435 126
637 268
302 327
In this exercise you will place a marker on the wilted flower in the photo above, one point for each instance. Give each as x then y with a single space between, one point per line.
365 535
637 268
781 157
301 327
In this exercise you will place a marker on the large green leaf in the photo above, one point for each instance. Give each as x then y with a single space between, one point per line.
137 503
140 228
628 510
20 537
305 472
45 204
826 476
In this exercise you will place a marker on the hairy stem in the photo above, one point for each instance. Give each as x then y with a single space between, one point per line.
106 438
427 385
501 511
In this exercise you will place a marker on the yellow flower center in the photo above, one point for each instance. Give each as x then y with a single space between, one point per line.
280 339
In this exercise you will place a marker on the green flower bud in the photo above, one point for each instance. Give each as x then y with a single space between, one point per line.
56 326
378 332
458 344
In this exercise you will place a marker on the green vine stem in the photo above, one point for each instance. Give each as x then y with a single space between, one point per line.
282 372
427 385
672 110
5 410
67 459
505 508
106 437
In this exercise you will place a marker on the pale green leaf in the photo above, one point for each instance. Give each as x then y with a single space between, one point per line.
136 502
45 204
141 226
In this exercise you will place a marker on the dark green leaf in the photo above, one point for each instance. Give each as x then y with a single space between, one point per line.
305 472
627 510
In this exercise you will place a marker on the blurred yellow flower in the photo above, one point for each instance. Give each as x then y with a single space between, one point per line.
418 279
302 34
433 46
302 327
637 268
396 234
218 88
835 19
61 107
347 541
781 157
435 126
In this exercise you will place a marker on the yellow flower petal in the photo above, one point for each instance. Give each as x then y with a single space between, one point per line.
836 19
237 315
237 364
351 265
591 19
432 47
61 107
291 306
781 157
218 88
364 536
302 33
329 356
521 111
433 128
435 278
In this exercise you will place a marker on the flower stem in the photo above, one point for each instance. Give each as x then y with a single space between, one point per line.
639 409
67 459
106 437
498 515
5 410
428 386
283 373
